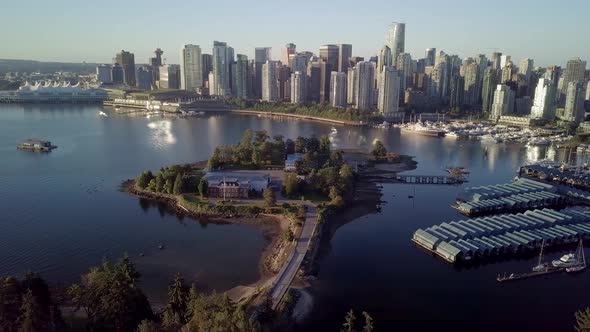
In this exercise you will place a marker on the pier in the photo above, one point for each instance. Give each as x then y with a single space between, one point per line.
429 179
520 276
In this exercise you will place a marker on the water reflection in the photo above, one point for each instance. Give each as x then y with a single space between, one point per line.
161 133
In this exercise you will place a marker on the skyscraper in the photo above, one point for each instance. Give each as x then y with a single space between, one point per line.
156 62
544 102
430 56
503 102
117 75
344 55
497 61
206 65
350 86
325 70
507 72
221 70
330 53
270 84
191 71
313 81
574 102
127 62
395 39
383 60
298 91
487 94
389 92
338 89
526 68
289 49
103 73
364 80
470 94
145 77
404 68
241 77
574 72
169 77
504 59
261 55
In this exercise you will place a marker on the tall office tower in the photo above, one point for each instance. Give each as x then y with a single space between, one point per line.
261 55
338 89
350 86
504 60
117 75
103 73
299 62
503 102
487 94
270 84
344 55
330 53
430 56
156 62
436 80
526 68
191 72
221 70
482 64
356 59
325 70
575 70
240 77
127 62
507 72
383 60
251 77
298 90
389 91
574 102
211 81
404 68
283 75
206 65
169 77
145 77
587 91
497 60
457 88
544 102
313 81
471 94
365 81
395 39
289 49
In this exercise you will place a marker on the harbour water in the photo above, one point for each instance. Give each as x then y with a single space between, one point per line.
62 212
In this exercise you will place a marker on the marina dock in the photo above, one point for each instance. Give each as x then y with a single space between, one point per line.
429 179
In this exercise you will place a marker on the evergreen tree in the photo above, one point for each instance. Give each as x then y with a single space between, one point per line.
32 318
203 187
148 326
348 325
178 184
269 197
178 297
582 320
291 184
379 149
169 186
368 322
160 181
300 144
144 179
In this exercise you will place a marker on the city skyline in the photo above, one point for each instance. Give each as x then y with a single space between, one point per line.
446 31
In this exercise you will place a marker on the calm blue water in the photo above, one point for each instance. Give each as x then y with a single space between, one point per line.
62 212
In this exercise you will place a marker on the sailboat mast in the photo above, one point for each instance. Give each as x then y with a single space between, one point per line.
541 253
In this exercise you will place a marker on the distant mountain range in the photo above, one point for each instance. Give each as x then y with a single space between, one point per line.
7 65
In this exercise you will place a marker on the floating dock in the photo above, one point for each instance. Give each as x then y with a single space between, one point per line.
520 276
476 238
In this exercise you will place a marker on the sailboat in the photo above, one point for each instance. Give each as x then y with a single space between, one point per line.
541 266
582 265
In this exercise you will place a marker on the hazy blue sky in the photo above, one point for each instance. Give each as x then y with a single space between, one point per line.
78 30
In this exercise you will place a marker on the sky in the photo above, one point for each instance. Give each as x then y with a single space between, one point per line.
550 32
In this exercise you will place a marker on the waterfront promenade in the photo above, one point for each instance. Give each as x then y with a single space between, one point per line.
283 279
301 117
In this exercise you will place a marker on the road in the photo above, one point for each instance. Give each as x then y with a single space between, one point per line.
287 273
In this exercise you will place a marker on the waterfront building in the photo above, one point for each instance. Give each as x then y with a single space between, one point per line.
117 75
575 71
544 102
283 78
222 60
325 70
395 39
127 62
338 89
457 89
344 55
430 56
487 94
383 60
240 76
504 60
313 81
261 55
155 62
365 80
206 66
270 87
522 106
53 92
191 73
503 102
351 86
145 77
574 103
169 77
389 90
103 73
235 184
298 90
289 50
471 79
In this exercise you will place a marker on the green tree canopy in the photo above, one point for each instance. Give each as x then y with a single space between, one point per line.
269 197
379 149
178 298
203 187
178 184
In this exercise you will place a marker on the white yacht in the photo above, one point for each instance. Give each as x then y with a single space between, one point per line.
568 260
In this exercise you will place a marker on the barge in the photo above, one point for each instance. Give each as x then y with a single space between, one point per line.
36 145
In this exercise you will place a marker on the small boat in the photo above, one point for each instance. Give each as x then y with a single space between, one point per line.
541 266
582 265
565 261
36 145
101 113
